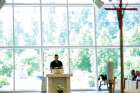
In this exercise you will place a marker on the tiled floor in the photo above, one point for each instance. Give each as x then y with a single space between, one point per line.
71 92
135 91
91 92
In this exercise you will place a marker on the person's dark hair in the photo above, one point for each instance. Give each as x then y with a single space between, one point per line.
103 76
133 74
132 71
56 55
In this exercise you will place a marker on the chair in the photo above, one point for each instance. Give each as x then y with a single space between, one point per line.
111 85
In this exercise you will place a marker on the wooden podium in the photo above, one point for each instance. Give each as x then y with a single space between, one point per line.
58 79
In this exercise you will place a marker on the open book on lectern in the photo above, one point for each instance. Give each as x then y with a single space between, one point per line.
57 71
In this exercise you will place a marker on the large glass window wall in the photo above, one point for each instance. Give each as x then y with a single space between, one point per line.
84 36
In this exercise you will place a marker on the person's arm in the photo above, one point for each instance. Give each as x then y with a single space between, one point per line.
51 70
61 65
51 67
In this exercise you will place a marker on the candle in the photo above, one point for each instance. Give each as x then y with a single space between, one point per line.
110 70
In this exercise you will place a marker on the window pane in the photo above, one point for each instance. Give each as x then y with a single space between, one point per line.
8 1
28 71
55 31
55 1
80 1
131 1
131 60
27 26
118 1
6 26
81 26
6 69
49 56
106 54
111 1
107 27
83 68
132 27
26 1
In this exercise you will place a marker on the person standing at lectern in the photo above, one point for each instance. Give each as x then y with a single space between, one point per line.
56 64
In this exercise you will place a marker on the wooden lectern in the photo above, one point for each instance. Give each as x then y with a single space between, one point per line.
55 80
